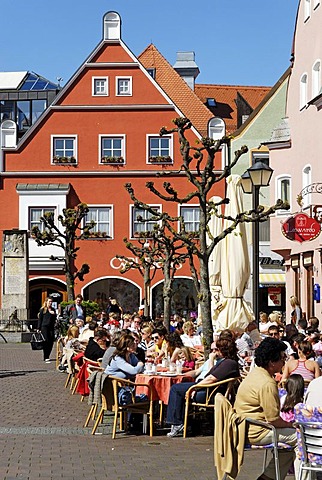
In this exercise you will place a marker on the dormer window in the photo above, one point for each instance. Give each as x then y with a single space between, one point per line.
211 102
123 86
100 86
216 128
111 26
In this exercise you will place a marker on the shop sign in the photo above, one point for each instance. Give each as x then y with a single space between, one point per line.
274 296
301 228
317 213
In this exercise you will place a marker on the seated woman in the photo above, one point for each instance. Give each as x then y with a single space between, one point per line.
146 338
88 331
71 344
226 367
185 356
97 345
124 363
189 338
257 398
308 368
174 345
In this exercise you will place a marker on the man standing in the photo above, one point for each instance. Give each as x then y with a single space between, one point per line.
75 310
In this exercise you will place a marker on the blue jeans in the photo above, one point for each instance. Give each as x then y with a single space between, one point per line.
176 402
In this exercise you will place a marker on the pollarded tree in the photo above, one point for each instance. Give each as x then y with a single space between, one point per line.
198 164
156 249
145 253
64 236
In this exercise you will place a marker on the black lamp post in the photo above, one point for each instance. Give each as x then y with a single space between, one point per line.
255 177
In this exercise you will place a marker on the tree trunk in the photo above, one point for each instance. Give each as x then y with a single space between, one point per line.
69 279
205 307
147 284
167 296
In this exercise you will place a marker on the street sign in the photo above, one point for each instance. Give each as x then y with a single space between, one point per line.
301 228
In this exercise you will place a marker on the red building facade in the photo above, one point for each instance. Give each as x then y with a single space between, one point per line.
101 132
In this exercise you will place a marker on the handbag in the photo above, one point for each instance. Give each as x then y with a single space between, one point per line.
37 341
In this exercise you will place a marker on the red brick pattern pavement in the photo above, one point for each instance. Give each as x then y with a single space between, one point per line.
42 434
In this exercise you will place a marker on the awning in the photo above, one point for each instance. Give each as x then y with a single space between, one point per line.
272 278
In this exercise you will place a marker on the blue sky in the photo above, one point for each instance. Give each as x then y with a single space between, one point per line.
244 42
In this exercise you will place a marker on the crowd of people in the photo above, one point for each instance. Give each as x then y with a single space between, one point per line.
265 355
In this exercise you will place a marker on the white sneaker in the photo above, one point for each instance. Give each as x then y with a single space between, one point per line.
176 430
47 360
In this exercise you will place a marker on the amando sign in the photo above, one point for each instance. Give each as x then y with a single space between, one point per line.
301 228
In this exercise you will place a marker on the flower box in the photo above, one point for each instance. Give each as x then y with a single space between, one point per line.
112 160
98 235
61 159
160 159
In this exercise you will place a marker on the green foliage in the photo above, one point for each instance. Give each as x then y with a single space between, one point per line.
90 306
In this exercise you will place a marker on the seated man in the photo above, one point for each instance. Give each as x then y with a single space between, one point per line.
226 367
97 345
258 398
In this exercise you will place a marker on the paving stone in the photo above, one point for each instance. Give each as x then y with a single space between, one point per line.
42 434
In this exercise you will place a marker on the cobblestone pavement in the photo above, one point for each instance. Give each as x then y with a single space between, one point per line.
42 434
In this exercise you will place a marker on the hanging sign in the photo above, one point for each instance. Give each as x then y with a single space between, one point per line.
274 296
301 228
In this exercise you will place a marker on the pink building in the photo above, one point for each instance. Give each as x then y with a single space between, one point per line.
295 156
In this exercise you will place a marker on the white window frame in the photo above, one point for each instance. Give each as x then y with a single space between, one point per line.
133 223
111 135
279 180
64 136
216 128
306 180
104 93
194 208
110 221
307 9
316 78
40 224
39 258
303 90
170 149
127 93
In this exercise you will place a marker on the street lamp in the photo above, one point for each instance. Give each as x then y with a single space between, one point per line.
255 177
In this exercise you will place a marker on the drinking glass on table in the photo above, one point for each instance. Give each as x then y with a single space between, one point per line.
178 367
172 367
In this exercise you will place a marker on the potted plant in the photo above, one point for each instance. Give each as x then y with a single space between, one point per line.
62 159
112 159
160 159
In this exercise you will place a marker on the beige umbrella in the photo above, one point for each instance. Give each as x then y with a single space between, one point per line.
233 312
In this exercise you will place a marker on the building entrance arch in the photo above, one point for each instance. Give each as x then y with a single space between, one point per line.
184 299
124 291
40 289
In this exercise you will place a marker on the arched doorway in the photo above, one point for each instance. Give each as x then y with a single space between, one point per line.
41 288
184 298
125 292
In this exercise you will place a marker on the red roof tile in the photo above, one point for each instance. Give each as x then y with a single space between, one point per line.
177 89
226 97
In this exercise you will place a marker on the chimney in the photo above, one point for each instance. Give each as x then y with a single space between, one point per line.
187 67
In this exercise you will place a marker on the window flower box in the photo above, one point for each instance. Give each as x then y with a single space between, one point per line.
160 159
98 235
112 160
61 159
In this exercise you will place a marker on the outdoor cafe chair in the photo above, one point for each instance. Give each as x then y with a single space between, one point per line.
194 406
308 424
111 403
60 344
274 447
230 433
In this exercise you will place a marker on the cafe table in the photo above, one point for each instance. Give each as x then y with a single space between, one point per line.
160 383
